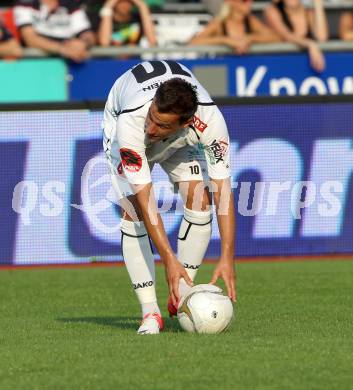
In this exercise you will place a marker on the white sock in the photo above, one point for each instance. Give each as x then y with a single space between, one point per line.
150 307
193 239
139 261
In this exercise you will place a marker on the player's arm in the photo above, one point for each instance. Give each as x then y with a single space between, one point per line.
215 139
155 228
224 204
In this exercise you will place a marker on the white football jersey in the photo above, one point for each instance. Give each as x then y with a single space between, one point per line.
124 117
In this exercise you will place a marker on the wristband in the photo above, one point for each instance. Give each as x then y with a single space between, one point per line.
105 11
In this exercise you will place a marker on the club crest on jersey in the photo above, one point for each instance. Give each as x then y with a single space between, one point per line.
131 160
199 125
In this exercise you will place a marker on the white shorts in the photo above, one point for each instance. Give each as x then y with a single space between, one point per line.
186 164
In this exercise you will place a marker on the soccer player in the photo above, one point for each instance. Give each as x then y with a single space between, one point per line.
157 112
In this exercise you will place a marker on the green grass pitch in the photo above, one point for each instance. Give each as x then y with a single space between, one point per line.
75 329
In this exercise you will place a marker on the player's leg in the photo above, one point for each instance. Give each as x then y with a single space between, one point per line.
138 257
139 261
195 227
135 245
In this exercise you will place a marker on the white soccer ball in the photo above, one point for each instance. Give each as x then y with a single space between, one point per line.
205 309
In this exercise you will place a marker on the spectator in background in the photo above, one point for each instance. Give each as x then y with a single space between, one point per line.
9 47
302 26
55 26
92 8
345 29
121 24
235 26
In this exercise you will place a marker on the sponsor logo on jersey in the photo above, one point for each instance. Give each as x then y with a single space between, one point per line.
142 285
199 125
130 159
217 150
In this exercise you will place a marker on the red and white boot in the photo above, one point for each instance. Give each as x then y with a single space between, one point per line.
152 323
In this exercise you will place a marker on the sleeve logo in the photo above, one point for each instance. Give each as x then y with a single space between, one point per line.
217 150
131 160
199 125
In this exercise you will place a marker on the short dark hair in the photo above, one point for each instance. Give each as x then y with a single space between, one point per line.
177 96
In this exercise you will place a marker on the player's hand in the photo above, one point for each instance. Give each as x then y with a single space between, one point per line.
225 270
174 272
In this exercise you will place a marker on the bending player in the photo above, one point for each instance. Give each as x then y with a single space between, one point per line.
157 112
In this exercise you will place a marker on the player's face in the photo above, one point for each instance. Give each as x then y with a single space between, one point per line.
159 125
